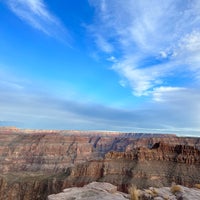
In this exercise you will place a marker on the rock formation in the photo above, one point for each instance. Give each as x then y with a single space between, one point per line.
36 163
94 190
106 191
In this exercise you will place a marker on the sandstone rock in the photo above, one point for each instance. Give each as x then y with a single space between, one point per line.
92 191
106 187
165 193
106 191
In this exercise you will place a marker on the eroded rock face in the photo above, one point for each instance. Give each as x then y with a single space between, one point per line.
54 151
157 166
36 163
143 174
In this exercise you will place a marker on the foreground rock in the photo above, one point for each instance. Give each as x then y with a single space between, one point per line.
168 193
94 190
106 191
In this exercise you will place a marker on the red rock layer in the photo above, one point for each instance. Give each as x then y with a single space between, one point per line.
35 163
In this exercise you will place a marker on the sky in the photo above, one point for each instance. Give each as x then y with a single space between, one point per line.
111 65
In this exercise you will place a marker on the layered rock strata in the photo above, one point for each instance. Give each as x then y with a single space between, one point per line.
36 163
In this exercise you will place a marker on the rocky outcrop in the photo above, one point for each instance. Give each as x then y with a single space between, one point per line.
36 163
106 191
94 190
176 192
160 151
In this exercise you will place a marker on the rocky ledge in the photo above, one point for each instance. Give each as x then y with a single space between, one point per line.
94 190
107 191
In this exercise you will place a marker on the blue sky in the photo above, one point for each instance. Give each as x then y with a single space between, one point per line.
101 64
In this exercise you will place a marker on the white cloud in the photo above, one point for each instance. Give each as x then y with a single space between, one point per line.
157 53
192 41
141 80
163 54
166 94
172 109
188 49
112 59
36 14
155 41
103 44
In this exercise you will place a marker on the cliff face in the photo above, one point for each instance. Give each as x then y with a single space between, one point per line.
37 163
157 166
54 151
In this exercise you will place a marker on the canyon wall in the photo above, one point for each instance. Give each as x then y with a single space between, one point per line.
36 163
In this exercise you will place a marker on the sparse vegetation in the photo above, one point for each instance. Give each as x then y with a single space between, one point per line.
148 191
134 192
155 192
175 188
152 192
197 186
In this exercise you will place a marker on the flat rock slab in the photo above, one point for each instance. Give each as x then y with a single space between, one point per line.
92 191
107 191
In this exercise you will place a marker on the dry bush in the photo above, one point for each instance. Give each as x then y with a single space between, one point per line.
175 188
155 192
148 191
134 192
197 186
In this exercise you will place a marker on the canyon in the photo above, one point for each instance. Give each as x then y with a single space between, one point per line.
37 163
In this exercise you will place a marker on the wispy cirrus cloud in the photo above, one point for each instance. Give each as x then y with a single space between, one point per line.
156 41
156 53
166 94
36 14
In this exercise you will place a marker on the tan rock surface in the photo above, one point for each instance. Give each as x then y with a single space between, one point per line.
92 191
166 193
107 191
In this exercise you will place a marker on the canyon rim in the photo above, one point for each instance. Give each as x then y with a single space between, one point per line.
37 163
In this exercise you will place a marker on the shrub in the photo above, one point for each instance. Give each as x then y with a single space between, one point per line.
175 188
197 186
134 192
155 192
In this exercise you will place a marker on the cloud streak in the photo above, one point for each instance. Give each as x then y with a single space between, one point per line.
156 53
156 41
36 14
30 107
